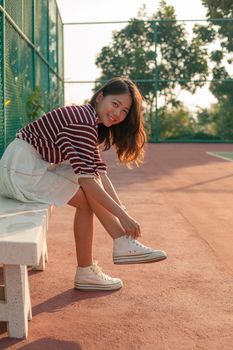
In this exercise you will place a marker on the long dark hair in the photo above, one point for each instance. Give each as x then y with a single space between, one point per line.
129 136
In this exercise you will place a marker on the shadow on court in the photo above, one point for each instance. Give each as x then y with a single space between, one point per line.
182 199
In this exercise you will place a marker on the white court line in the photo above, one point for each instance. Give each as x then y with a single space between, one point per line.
218 156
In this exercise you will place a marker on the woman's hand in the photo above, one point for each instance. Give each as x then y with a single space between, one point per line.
130 226
93 187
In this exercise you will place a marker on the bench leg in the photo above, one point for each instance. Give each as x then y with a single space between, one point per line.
17 298
44 255
41 266
46 251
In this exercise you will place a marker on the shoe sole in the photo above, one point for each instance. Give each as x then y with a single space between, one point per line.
138 259
96 287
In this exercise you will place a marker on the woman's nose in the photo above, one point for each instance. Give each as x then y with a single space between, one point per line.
117 112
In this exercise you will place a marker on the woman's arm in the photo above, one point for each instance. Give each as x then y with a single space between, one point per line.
109 188
93 187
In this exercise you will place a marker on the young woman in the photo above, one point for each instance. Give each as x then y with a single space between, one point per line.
56 160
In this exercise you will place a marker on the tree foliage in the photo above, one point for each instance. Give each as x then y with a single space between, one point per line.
132 54
221 9
175 122
174 59
220 29
157 51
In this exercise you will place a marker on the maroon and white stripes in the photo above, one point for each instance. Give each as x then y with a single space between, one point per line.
67 133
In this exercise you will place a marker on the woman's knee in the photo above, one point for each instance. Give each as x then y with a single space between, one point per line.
79 200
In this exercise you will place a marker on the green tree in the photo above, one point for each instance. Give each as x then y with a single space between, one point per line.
221 9
176 60
175 122
220 30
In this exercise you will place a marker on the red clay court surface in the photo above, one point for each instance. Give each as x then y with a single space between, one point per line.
182 198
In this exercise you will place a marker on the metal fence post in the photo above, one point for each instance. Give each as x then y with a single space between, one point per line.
34 43
48 39
57 42
63 64
156 126
2 61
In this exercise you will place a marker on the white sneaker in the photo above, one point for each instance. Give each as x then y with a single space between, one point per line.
127 250
92 278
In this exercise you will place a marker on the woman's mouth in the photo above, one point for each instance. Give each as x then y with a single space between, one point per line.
112 120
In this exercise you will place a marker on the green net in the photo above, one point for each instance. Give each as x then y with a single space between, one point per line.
41 27
60 46
53 34
31 63
15 11
27 26
18 84
42 74
1 86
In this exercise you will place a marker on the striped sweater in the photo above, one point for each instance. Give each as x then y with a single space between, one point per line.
67 133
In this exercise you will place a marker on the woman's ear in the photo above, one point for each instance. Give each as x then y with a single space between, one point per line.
99 97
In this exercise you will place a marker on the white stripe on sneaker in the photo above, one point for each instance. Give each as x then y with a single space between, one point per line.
139 258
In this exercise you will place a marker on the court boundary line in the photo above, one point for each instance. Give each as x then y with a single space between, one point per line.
219 156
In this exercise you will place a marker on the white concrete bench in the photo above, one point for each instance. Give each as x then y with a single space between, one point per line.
23 229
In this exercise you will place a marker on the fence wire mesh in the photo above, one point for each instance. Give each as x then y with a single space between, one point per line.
183 69
1 85
31 63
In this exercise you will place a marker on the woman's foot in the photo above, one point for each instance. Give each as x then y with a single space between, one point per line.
92 278
127 250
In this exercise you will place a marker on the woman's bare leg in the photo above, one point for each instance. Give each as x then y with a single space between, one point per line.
84 225
83 229
109 221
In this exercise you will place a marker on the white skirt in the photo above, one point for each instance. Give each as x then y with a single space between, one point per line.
25 176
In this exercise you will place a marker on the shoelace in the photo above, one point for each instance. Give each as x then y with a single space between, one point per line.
138 243
98 270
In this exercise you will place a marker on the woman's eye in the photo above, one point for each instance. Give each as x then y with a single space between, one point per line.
115 104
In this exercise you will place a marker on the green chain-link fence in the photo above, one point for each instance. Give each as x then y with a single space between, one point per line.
183 68
31 63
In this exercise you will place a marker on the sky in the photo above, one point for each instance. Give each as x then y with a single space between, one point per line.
83 42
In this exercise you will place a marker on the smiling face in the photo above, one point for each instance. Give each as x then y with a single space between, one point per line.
112 109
